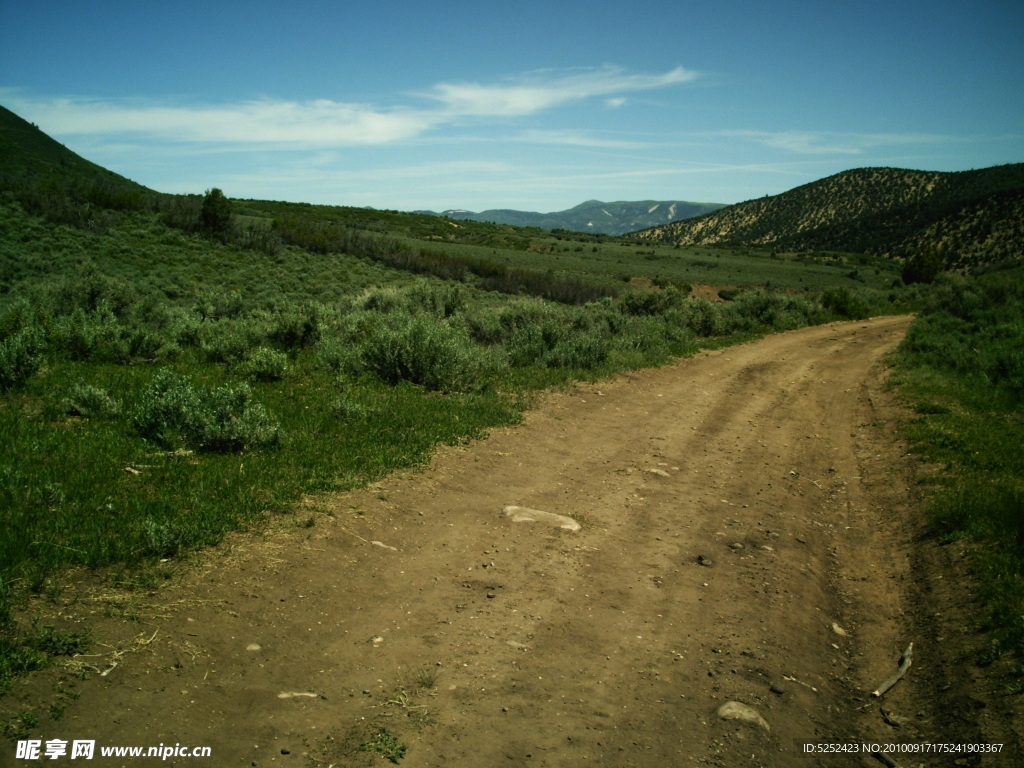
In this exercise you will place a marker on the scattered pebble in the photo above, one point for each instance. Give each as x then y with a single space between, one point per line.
838 630
253 647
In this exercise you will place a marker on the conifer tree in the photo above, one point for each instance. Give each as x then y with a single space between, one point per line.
215 216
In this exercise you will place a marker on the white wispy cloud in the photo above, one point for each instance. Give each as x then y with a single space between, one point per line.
832 142
326 123
576 139
305 124
545 89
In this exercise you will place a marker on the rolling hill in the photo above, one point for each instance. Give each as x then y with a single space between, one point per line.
28 154
970 217
592 216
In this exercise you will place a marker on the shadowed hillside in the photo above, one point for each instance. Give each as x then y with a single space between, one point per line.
28 154
971 217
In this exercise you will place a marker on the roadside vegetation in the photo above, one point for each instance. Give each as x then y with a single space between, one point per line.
961 370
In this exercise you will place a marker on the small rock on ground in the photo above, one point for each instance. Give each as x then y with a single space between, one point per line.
735 710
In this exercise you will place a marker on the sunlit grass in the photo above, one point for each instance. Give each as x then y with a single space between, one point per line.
960 369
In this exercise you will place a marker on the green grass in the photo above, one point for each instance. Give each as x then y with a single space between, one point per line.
961 368
614 260
131 498
385 744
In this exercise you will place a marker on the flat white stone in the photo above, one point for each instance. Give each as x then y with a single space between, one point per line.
527 515
735 710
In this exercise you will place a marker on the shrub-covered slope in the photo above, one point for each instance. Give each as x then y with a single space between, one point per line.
971 217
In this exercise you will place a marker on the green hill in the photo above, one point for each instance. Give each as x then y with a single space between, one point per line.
970 217
50 180
29 155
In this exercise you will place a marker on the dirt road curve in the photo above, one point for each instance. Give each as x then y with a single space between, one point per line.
746 536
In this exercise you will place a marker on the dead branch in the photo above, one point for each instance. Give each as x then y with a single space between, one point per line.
905 661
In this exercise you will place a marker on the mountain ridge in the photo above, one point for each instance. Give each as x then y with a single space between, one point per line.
597 216
970 217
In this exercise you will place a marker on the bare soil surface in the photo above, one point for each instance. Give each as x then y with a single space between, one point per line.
749 533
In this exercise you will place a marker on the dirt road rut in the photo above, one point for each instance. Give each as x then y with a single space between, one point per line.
743 539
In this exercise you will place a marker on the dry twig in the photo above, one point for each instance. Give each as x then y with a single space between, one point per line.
905 661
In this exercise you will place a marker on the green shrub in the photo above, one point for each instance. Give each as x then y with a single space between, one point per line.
424 350
297 328
174 414
705 318
582 350
100 336
266 365
216 304
844 303
654 338
161 538
645 302
88 401
21 355
336 354
531 344
231 340
235 423
90 290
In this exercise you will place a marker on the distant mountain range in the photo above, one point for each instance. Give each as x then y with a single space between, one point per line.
592 216
970 217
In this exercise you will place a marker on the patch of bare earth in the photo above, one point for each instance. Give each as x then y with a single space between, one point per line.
749 534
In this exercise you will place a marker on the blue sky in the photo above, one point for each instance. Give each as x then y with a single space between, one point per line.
528 105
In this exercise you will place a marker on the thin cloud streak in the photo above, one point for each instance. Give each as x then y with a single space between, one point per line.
325 123
539 92
576 139
834 143
282 123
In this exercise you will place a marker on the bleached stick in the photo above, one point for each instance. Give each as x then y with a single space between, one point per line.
905 661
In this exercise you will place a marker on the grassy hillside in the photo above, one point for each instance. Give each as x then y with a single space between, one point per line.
971 217
29 155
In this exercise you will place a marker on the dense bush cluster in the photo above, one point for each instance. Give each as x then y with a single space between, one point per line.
328 237
175 414
439 335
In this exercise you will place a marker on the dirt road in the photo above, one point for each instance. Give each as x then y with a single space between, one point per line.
745 536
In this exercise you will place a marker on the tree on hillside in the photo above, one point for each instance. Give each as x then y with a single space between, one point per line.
924 266
215 215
